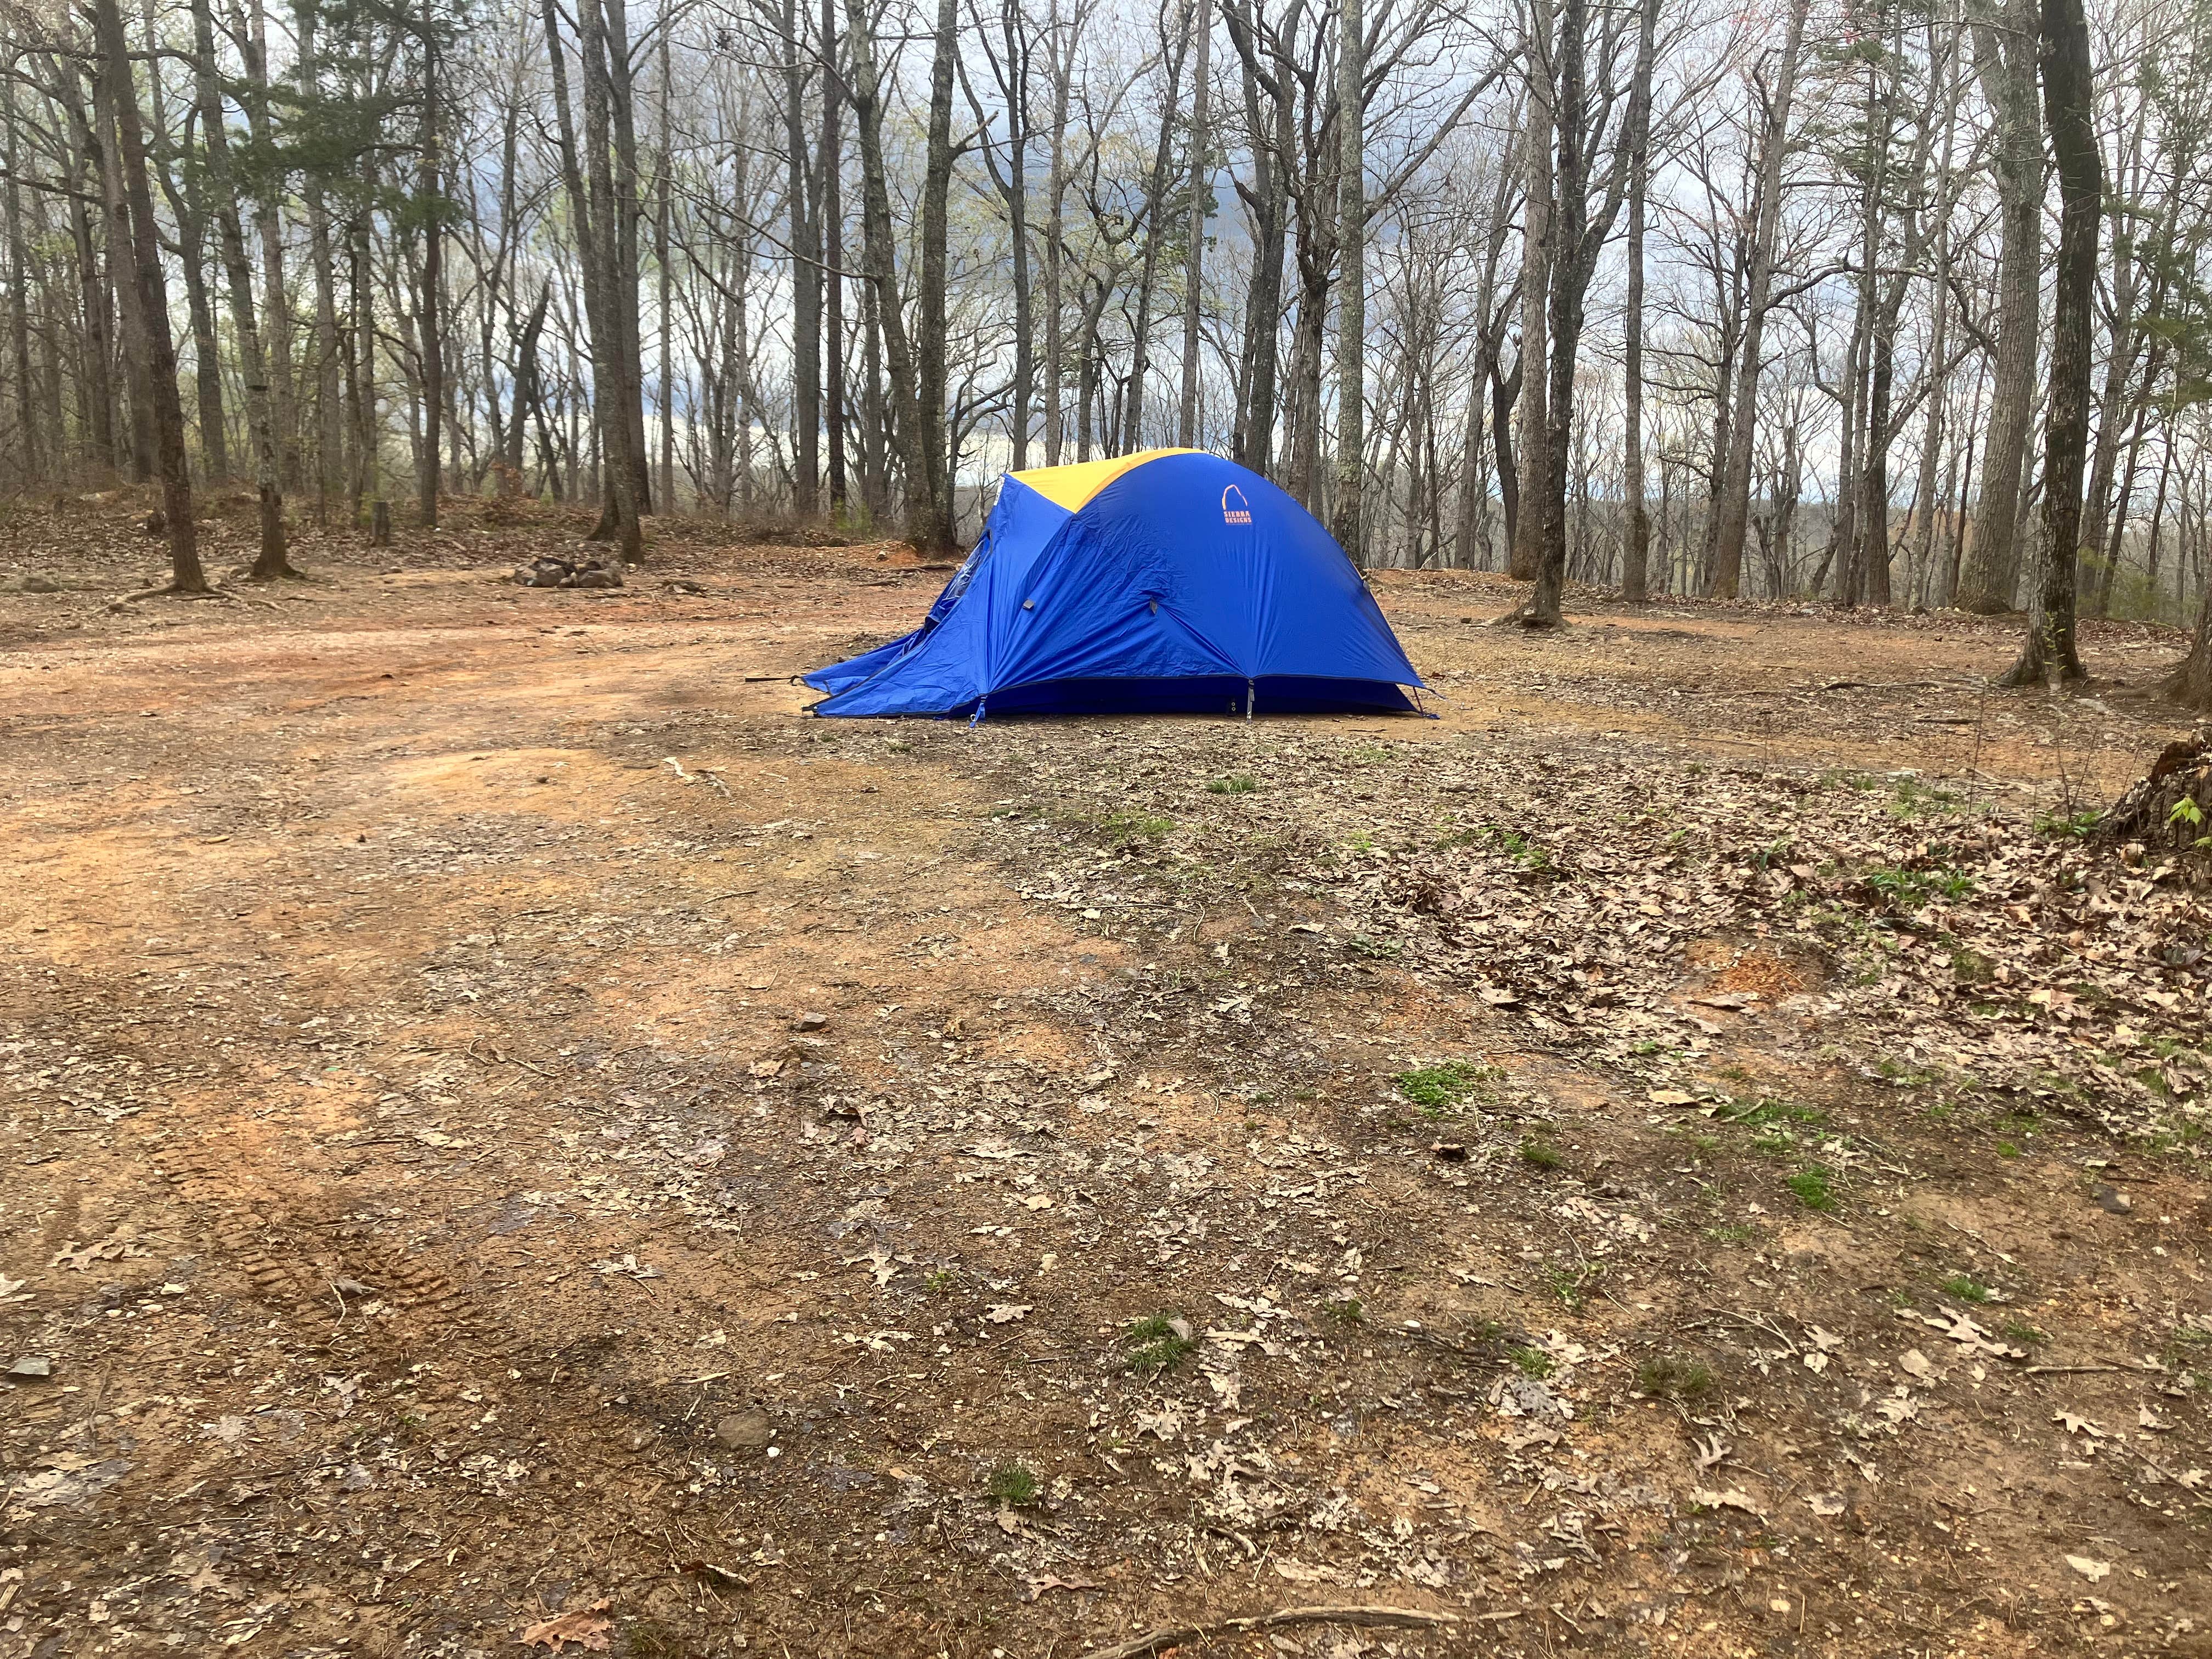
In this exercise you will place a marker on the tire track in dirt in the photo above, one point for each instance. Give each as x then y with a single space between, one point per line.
291 1232
293 1252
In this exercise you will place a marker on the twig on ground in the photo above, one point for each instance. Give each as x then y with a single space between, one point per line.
2074 1371
1176 1636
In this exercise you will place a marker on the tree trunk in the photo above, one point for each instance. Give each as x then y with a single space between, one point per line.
628 213
1564 233
130 294
270 562
1156 190
187 208
432 343
832 215
615 288
930 516
330 414
1735 504
1351 298
1636 553
805 282
2048 651
876 234
1534 422
268 228
2005 61
664 187
1014 188
1055 345
1194 270
29 448
159 350
96 320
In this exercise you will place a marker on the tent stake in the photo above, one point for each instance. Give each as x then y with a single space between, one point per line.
1251 693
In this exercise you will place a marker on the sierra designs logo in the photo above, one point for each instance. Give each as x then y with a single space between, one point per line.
1236 511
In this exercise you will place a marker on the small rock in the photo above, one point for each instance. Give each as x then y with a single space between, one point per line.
32 1364
809 1022
747 1431
2110 1198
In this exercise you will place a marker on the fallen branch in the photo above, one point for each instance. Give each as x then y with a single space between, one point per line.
1176 1636
2072 1371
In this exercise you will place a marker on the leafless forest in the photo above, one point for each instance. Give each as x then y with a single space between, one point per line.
1678 297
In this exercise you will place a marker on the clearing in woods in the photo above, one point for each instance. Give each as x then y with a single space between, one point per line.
513 1131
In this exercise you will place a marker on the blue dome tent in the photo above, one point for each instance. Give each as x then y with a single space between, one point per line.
1168 580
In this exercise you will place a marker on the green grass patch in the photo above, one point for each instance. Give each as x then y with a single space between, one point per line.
1572 1285
1447 1086
1159 1344
1670 1377
1533 1362
1967 1289
1348 1312
1014 1484
1908 889
1539 1154
1812 1187
1521 848
2069 826
1126 828
1237 783
1770 1109
1915 799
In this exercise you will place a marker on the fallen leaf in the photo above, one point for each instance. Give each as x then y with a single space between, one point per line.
2092 1570
1733 1499
1826 1503
1916 1363
586 1627
1005 1312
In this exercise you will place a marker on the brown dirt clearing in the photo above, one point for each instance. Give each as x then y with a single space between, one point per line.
1687 1153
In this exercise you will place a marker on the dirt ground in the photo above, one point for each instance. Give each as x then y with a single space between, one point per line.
518 1138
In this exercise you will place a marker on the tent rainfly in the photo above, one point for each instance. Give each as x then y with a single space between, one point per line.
1170 580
